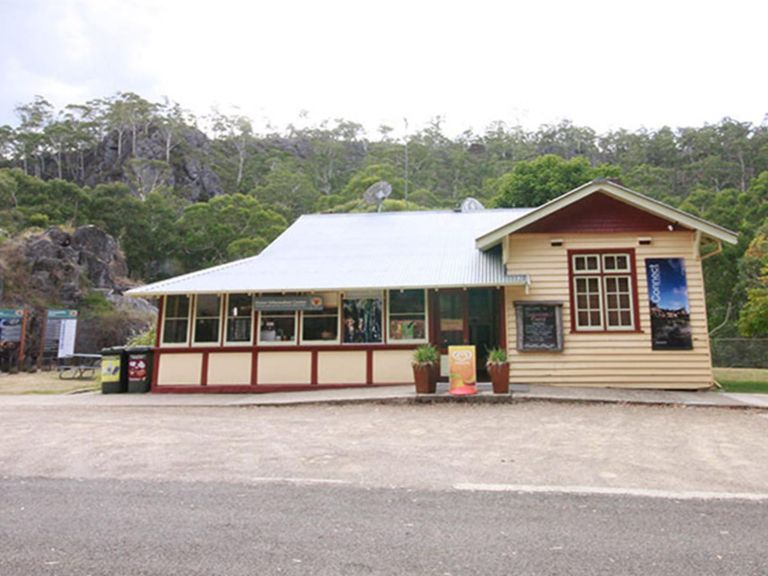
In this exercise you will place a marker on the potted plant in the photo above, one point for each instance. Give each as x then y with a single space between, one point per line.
425 364
498 369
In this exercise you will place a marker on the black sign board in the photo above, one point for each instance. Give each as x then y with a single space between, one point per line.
539 326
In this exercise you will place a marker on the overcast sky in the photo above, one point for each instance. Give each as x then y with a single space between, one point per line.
602 64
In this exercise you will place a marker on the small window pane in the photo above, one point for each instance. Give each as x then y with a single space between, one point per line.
239 317
207 306
626 318
176 306
594 301
176 323
612 301
206 330
175 331
624 301
320 326
594 318
624 284
278 327
593 282
406 301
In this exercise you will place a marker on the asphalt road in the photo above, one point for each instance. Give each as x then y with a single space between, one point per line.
100 527
535 488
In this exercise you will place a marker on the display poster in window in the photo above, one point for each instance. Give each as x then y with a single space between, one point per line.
462 369
539 326
10 325
670 309
362 319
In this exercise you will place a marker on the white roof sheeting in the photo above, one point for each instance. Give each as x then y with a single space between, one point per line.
432 249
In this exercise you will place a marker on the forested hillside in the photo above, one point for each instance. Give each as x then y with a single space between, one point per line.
182 192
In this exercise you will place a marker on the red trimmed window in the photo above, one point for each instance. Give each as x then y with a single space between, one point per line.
603 291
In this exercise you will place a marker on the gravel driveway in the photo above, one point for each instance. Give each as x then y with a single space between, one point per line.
430 446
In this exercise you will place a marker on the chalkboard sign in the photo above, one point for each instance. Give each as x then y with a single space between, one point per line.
539 326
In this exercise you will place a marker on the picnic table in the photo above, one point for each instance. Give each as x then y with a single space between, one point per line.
78 366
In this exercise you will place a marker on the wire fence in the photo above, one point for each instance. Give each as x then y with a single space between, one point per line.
740 352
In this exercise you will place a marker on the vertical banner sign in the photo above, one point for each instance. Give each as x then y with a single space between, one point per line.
11 322
60 332
670 310
462 369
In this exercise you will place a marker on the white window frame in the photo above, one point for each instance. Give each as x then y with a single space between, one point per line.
185 344
293 342
628 276
215 343
588 327
388 307
226 317
602 275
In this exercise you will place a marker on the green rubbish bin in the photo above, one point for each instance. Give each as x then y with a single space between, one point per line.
140 360
113 371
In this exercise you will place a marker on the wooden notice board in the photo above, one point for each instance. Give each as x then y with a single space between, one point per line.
539 326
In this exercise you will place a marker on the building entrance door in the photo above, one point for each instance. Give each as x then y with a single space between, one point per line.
469 316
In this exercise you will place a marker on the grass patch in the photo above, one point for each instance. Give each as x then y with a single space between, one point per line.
748 380
43 383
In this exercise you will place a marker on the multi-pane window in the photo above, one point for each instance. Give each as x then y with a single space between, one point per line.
176 323
239 318
603 295
207 318
407 315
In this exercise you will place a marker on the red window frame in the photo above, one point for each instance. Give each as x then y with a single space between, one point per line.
603 300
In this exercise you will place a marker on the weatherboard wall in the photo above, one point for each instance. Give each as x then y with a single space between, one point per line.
606 358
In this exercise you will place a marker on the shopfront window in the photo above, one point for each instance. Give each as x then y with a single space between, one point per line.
239 318
207 319
407 315
362 317
176 323
322 326
277 328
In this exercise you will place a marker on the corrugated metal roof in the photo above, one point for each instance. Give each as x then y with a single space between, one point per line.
362 251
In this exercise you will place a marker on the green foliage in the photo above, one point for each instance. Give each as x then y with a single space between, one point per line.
208 231
288 191
146 338
753 318
533 183
497 356
426 354
95 304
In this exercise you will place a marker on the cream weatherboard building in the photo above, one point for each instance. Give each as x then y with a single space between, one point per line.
600 287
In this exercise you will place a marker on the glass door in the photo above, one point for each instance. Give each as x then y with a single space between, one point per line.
451 326
468 317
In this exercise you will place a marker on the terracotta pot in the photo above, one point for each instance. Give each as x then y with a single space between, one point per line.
424 377
499 373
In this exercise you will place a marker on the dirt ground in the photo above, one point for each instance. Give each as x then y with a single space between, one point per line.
531 443
42 383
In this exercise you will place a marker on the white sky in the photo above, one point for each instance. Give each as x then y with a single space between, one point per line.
604 64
